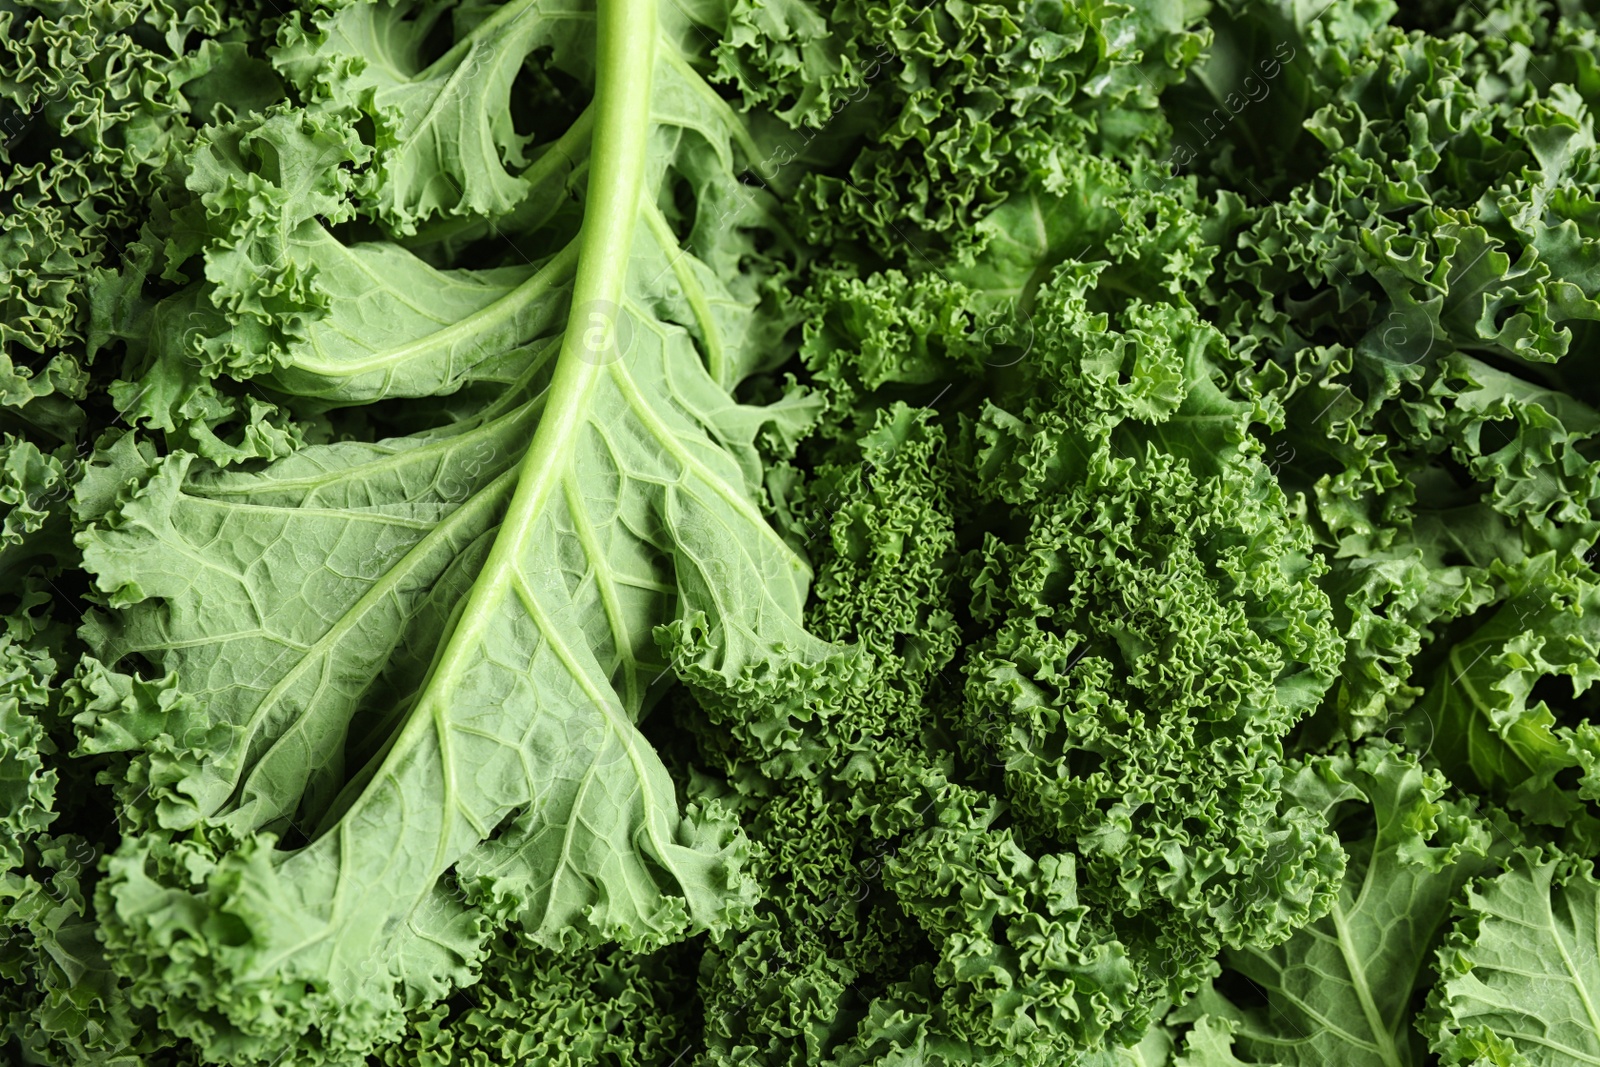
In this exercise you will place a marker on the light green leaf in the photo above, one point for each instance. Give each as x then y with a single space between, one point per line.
1339 992
315 600
414 667
1209 1044
1520 978
445 140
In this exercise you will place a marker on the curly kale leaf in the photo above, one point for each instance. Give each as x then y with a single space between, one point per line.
1413 277
1343 989
1518 978
906 139
399 679
1156 629
95 101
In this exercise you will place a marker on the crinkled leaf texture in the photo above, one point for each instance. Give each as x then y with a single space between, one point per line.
411 669
27 785
920 139
1156 626
1413 266
95 98
1141 618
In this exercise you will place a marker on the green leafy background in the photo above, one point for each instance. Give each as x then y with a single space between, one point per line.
1077 548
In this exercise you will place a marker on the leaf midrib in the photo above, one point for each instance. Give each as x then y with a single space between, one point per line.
1383 1039
625 41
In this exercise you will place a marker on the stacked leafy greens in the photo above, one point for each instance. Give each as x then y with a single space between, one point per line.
799 532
